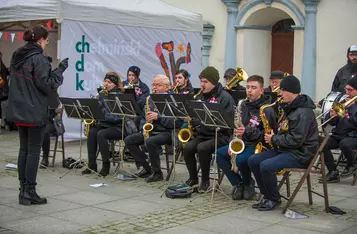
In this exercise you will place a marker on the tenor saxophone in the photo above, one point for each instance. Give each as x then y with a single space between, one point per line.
148 126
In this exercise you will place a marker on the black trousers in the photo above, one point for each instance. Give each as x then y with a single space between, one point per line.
153 145
49 129
29 154
204 147
99 136
346 145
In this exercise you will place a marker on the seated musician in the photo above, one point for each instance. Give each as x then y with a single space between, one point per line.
108 129
251 133
228 76
182 83
133 81
295 142
344 136
275 79
162 126
204 142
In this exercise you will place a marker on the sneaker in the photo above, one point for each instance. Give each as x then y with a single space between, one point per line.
155 177
249 190
259 204
192 183
237 193
333 177
204 186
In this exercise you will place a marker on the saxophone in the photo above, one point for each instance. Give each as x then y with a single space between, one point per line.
198 94
90 123
148 126
236 146
267 129
185 134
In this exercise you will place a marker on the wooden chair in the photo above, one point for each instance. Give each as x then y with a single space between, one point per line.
309 170
55 150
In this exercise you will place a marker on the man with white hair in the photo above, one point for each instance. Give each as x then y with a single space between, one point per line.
160 135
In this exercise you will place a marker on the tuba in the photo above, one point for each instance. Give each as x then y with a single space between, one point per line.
240 76
185 134
236 146
148 126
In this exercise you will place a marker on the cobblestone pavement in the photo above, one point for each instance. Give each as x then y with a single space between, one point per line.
138 207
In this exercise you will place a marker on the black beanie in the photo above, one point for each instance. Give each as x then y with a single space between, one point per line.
353 82
277 75
211 74
135 70
112 78
290 84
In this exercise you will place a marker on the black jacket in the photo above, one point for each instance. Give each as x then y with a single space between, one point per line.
222 97
110 120
141 92
4 91
187 90
254 129
31 81
343 75
297 132
268 89
347 126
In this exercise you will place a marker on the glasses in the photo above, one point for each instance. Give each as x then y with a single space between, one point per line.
349 90
156 85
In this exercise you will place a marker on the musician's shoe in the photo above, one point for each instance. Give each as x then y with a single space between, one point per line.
269 205
105 169
204 186
348 171
249 190
154 177
31 197
332 177
237 193
44 163
259 204
192 184
144 173
92 167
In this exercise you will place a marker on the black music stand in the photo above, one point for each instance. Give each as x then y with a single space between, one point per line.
126 106
82 109
213 115
273 96
238 95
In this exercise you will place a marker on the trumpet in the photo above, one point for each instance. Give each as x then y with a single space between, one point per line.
340 109
130 85
240 76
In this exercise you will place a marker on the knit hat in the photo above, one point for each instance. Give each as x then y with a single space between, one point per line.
135 70
230 73
211 74
353 48
277 75
112 77
353 82
290 84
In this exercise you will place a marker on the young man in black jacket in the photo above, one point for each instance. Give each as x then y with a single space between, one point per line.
204 142
295 142
344 136
108 129
252 133
160 135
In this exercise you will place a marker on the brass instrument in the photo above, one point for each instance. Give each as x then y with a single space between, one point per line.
148 126
277 89
340 109
240 76
185 134
198 94
175 89
236 146
131 85
101 89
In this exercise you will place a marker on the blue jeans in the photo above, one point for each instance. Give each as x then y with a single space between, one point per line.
265 165
224 162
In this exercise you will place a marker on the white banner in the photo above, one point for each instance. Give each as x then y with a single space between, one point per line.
95 49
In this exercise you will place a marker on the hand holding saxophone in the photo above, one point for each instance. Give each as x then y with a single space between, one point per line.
239 131
267 137
151 116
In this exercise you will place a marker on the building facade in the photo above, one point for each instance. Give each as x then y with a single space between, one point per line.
307 38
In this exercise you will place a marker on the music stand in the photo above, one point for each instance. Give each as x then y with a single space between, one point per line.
273 96
82 109
238 95
126 106
213 115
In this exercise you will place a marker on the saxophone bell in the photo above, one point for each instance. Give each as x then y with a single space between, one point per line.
185 134
236 146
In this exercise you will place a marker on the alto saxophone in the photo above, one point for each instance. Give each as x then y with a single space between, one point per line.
185 134
148 126
236 146
267 129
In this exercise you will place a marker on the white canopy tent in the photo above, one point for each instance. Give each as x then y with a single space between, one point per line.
143 13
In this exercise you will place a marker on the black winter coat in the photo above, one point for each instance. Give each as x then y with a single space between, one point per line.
31 82
297 132
141 93
343 75
347 126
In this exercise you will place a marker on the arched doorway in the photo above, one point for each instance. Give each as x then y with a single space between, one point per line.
282 51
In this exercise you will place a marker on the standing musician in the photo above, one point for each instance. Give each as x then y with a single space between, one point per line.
161 125
108 129
228 76
252 133
142 91
344 136
275 79
295 143
182 83
345 73
204 142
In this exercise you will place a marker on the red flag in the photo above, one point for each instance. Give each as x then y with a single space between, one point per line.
6 35
48 24
19 35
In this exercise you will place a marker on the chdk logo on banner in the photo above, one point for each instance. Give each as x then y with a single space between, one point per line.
82 47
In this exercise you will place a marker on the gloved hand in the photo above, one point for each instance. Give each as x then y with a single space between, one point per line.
63 65
49 59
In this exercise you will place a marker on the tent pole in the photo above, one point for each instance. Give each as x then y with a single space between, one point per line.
58 40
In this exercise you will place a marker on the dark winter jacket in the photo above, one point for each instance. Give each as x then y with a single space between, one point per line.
4 91
110 120
187 90
31 82
251 119
141 92
343 75
297 132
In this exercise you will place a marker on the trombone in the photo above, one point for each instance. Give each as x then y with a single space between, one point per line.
240 76
340 109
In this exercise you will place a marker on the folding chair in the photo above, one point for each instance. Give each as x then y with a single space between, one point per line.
306 176
55 150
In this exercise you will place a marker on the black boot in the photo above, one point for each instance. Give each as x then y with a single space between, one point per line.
31 197
21 194
105 169
44 163
91 166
